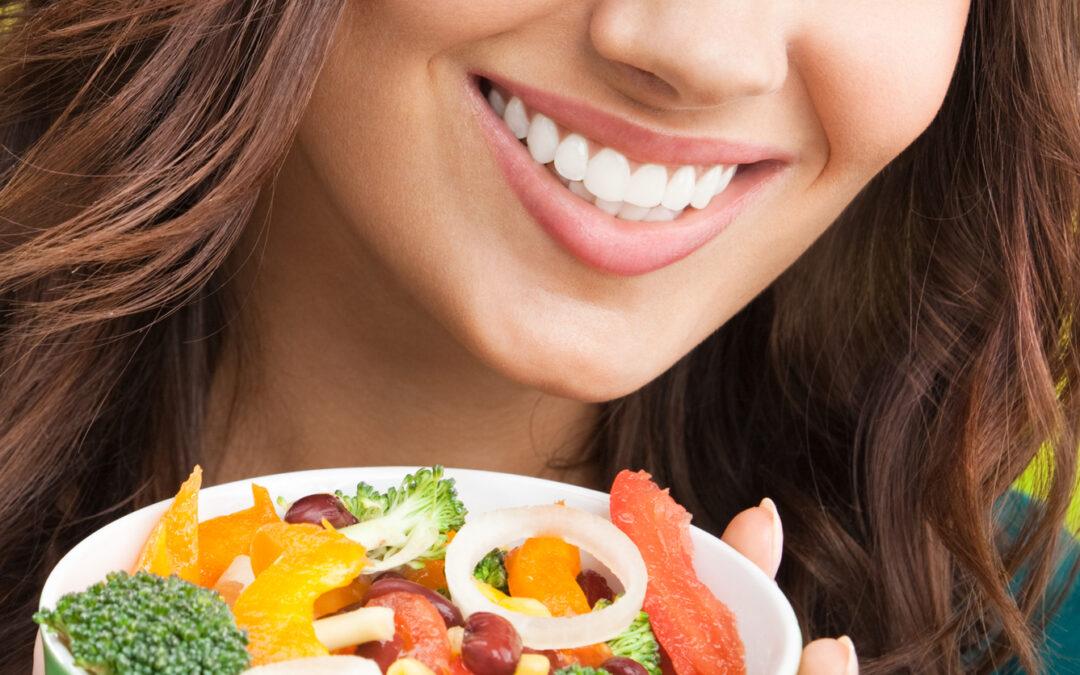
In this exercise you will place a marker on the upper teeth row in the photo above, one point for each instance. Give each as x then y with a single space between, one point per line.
651 192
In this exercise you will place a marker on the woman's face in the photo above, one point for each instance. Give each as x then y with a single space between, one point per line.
793 105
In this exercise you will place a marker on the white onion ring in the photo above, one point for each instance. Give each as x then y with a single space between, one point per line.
607 543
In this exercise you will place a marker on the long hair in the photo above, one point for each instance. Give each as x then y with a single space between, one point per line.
886 391
134 139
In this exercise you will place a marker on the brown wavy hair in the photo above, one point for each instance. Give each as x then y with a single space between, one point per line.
886 391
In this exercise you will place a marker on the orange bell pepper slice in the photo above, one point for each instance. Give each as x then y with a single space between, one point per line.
223 538
173 544
432 575
340 598
592 656
546 568
270 541
277 609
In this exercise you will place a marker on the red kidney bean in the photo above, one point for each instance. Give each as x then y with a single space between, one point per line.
620 665
450 614
491 645
314 508
382 652
595 586
551 654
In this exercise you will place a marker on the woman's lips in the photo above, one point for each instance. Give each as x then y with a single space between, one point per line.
610 244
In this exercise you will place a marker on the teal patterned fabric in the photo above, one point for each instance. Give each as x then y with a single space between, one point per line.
1061 646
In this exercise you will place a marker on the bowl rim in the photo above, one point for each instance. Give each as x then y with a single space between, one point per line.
54 649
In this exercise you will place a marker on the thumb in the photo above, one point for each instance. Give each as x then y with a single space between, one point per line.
757 534
829 657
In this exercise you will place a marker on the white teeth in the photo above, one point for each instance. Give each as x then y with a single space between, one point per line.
543 139
659 214
516 117
607 174
631 212
610 208
604 179
498 103
706 188
646 186
572 157
578 188
679 189
727 173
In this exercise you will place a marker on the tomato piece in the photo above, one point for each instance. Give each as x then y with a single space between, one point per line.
546 568
173 544
223 538
697 630
277 609
421 628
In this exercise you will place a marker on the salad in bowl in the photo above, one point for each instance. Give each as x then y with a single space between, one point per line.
424 572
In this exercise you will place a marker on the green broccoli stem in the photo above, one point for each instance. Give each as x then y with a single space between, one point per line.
407 523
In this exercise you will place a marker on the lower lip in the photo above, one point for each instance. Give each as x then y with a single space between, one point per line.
601 241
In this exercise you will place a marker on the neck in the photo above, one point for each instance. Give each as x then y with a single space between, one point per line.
329 362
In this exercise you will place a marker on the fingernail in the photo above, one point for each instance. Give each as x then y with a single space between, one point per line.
852 660
777 537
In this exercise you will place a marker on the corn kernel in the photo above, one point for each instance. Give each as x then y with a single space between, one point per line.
526 606
408 667
532 664
488 591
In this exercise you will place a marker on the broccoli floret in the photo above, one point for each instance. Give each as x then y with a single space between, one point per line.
367 504
578 669
406 524
148 624
637 642
492 570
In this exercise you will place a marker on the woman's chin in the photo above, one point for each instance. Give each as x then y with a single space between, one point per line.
590 371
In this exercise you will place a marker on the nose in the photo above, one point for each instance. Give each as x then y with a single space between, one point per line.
692 53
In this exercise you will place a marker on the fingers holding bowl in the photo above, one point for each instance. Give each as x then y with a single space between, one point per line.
827 656
758 535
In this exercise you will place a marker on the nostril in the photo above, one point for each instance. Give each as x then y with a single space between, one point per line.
644 80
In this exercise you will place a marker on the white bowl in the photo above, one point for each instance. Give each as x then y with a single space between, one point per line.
766 621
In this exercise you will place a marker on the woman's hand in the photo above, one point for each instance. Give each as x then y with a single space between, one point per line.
758 535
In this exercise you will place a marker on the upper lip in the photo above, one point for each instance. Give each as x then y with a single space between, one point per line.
637 142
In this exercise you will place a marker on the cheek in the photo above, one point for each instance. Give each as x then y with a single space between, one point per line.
438 24
877 73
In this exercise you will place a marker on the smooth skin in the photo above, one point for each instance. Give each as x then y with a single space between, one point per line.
400 306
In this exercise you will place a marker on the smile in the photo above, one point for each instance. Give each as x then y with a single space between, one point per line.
604 176
621 198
